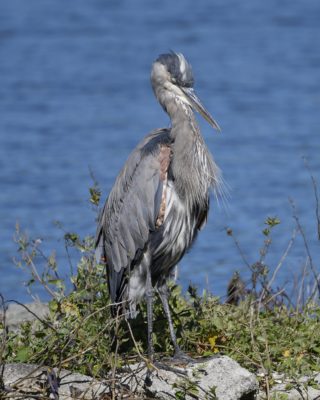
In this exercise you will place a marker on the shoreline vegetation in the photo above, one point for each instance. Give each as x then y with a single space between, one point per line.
271 334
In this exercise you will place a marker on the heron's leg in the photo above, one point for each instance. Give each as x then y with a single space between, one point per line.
164 295
149 296
178 353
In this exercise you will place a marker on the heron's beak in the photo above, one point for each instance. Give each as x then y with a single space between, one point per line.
196 104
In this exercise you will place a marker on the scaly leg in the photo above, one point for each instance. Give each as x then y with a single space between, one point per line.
179 355
149 297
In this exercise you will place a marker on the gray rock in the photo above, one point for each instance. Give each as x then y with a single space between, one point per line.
24 380
300 390
216 378
16 314
288 390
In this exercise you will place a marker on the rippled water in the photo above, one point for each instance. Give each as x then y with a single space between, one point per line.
75 96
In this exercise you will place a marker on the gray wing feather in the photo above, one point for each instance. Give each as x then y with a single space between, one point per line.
131 210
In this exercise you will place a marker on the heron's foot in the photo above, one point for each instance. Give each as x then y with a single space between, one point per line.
181 357
161 366
167 367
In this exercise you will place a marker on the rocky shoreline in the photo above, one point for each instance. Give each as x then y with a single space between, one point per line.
219 377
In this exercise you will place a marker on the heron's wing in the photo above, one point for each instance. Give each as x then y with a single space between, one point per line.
133 207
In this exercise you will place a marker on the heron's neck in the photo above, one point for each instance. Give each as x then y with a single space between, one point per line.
189 154
192 165
184 126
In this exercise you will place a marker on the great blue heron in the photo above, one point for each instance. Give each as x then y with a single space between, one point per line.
160 199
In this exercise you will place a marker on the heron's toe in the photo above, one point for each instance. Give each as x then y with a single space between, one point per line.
182 357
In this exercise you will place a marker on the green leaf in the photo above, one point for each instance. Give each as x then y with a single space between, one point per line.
272 221
23 354
95 195
266 232
71 237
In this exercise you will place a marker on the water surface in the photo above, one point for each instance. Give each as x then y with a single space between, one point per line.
75 96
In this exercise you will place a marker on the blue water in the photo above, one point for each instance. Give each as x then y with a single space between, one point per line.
75 96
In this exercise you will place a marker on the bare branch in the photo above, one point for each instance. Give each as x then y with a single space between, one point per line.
3 341
284 256
316 195
312 266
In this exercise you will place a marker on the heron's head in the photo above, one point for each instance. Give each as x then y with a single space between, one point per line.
172 78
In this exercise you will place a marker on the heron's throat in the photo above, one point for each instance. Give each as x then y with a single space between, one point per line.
183 121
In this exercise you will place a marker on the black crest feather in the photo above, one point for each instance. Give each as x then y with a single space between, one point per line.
178 67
